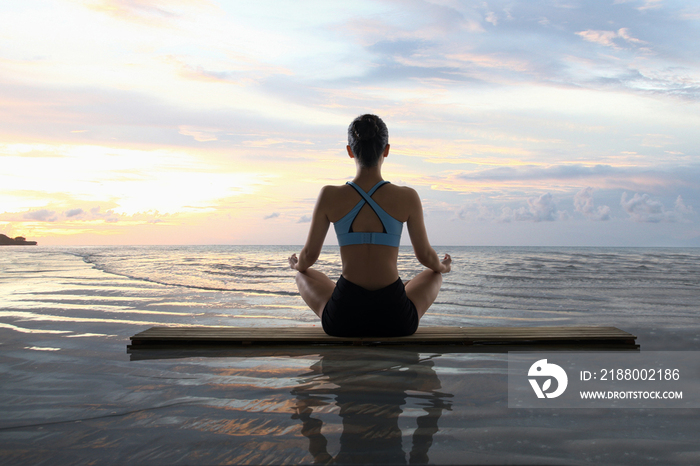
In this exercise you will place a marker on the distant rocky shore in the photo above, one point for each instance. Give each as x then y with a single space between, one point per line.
18 241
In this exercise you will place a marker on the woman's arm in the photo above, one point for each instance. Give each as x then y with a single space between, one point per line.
317 234
425 254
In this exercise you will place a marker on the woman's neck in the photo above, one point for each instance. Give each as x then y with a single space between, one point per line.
368 176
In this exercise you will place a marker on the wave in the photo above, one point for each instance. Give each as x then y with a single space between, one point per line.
599 282
99 263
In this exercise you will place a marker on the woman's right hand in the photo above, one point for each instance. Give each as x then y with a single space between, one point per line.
446 263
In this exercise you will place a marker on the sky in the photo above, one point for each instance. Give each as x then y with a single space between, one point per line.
519 123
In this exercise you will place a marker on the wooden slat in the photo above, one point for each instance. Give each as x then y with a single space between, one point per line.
424 335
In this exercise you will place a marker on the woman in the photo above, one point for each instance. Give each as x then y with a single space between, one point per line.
368 213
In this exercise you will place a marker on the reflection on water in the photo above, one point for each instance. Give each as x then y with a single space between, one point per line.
370 395
339 405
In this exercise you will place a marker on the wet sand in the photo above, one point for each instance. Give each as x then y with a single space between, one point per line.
71 394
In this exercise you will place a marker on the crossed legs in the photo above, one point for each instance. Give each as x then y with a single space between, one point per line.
423 289
316 289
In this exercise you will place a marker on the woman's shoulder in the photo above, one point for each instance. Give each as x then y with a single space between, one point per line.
406 193
331 195
333 190
401 202
404 189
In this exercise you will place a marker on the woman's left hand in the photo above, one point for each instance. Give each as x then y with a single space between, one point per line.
293 262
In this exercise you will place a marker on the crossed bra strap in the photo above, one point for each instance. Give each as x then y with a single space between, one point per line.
390 236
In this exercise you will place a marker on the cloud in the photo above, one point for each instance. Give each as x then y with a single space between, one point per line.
534 172
624 34
644 209
43 215
477 211
492 18
73 212
268 142
538 209
199 134
680 208
583 203
650 4
660 177
108 216
304 219
141 11
599 37
608 38
424 46
58 223
272 215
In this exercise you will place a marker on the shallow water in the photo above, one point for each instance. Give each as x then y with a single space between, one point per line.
72 394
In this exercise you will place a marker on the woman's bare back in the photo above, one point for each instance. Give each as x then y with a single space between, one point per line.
371 266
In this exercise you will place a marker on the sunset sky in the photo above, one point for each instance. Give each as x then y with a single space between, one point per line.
538 122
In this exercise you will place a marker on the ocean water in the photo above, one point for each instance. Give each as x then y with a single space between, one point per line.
71 394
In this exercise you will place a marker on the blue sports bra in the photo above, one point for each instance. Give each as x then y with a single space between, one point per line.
391 236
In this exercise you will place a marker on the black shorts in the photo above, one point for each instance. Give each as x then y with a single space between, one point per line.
354 311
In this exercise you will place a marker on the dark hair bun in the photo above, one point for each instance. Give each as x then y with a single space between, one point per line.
366 128
368 136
